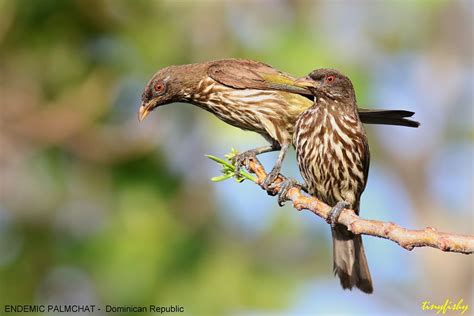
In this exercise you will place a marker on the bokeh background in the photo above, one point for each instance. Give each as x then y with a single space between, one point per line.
99 209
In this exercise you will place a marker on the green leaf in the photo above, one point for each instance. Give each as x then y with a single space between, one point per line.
221 161
222 178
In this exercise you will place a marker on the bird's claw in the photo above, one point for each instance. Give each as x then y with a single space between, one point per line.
285 186
270 179
335 212
242 160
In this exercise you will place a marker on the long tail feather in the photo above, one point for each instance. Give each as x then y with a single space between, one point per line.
350 263
388 117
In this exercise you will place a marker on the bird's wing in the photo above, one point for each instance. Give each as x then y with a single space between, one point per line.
365 163
249 74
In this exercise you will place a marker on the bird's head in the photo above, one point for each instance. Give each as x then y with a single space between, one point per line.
166 86
328 83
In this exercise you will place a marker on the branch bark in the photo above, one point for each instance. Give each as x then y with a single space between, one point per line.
407 238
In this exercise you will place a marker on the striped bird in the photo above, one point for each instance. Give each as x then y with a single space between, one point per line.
250 95
333 158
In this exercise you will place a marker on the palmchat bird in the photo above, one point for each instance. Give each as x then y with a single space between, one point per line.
333 158
250 95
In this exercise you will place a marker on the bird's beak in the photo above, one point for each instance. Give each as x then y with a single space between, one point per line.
145 109
306 82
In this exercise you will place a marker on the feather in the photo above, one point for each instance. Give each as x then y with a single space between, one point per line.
249 74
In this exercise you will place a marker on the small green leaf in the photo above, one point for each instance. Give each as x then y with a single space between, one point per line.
222 178
248 176
221 161
232 154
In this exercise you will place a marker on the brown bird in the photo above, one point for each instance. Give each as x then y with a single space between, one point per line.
250 95
333 158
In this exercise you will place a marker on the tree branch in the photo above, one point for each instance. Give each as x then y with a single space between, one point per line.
407 238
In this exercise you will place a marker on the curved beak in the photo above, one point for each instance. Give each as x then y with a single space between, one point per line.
306 82
145 109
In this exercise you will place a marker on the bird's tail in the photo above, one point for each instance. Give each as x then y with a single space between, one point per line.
350 263
387 117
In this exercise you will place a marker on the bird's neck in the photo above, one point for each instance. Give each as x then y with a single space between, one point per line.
337 107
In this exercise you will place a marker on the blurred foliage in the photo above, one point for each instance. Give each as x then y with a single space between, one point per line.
96 208
228 168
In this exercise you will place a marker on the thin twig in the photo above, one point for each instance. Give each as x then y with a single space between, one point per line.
407 238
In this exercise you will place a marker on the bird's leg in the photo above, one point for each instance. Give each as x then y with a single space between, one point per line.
285 186
272 175
335 212
242 159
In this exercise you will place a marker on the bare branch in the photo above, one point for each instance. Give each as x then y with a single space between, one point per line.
407 238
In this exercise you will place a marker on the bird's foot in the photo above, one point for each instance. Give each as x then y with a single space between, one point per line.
270 179
334 214
242 160
285 186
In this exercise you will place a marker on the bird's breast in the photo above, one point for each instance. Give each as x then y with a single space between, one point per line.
268 112
330 155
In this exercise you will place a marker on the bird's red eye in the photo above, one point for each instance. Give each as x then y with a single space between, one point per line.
159 86
330 79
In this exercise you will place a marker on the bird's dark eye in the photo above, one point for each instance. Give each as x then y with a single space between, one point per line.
330 79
